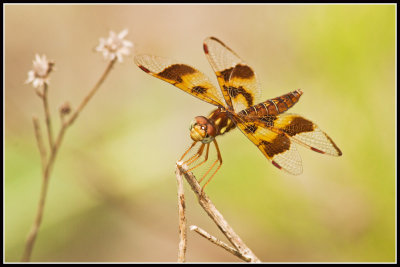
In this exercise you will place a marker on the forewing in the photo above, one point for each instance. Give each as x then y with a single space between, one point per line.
275 146
182 76
237 80
304 132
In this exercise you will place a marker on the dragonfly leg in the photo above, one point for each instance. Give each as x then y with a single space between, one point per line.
184 154
195 156
215 162
205 159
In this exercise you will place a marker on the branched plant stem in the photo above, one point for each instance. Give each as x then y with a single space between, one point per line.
54 147
47 115
218 242
216 216
39 139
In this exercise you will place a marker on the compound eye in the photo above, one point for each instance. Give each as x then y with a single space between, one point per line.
193 123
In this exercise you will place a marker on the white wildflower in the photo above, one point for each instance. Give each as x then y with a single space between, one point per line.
115 46
40 73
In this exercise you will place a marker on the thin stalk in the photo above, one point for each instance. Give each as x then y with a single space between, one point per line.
54 148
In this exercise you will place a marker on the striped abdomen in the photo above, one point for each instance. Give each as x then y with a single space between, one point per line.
273 106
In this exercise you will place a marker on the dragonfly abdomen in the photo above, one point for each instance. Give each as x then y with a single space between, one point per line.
273 106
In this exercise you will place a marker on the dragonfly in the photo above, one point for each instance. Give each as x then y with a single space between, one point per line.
238 105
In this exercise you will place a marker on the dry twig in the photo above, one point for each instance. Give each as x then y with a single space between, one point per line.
215 215
182 218
218 242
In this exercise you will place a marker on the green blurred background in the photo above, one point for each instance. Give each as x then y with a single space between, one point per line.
112 194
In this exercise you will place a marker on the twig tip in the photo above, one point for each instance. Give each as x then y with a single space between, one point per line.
181 164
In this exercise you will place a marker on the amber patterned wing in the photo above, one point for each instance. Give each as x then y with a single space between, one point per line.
304 132
182 76
275 137
237 80
276 146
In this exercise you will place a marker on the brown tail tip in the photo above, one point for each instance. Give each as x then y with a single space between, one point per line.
144 69
205 48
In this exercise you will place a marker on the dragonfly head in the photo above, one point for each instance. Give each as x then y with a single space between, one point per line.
201 129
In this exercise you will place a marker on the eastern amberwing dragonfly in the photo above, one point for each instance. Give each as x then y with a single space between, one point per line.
265 123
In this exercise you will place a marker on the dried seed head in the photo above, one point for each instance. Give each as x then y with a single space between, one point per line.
65 109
